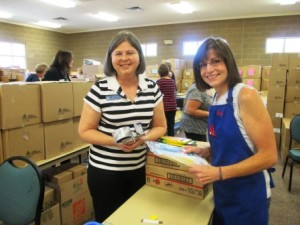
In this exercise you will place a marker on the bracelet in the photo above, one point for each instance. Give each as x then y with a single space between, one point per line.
220 173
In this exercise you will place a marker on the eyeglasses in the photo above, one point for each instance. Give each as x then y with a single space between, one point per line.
212 63
126 54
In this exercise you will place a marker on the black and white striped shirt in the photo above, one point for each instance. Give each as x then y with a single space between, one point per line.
107 98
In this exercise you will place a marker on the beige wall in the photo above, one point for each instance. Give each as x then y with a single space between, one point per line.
246 37
41 45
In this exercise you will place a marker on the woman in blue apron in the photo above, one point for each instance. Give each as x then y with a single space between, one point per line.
242 142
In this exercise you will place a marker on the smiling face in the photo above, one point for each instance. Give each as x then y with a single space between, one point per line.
214 71
125 59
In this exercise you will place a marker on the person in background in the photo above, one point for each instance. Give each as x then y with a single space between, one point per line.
171 73
123 98
168 87
40 70
242 142
195 114
60 69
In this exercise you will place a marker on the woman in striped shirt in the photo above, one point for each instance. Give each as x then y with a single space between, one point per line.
121 99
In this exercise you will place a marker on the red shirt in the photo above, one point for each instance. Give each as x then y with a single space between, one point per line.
168 89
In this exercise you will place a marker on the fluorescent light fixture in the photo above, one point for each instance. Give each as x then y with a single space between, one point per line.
287 2
105 16
5 15
48 24
61 3
182 7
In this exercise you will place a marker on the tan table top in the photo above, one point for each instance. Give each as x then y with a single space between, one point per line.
169 207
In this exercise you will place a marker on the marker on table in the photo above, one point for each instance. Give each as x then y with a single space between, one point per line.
151 221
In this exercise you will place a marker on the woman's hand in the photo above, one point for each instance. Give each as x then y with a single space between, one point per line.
129 147
201 151
206 174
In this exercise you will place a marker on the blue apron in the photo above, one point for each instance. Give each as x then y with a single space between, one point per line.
241 200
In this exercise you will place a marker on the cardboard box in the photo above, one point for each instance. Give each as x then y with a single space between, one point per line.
189 64
59 174
252 72
280 61
294 61
185 84
278 77
5 78
80 89
62 177
177 66
188 74
276 93
48 198
242 71
51 213
265 72
26 141
293 77
292 94
78 170
152 71
276 122
285 139
275 109
71 191
75 201
264 85
277 140
95 70
178 181
253 83
20 105
58 137
57 101
290 109
50 216
277 130
163 162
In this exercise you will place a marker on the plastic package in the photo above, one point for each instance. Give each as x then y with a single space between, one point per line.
175 153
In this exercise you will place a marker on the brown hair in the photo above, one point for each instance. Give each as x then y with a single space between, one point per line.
163 70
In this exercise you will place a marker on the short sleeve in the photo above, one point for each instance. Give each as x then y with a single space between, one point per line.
93 97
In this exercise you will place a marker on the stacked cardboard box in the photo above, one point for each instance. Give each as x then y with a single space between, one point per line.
187 79
283 92
40 119
177 66
292 98
276 91
173 176
251 75
265 76
183 72
12 74
285 139
70 184
152 72
51 212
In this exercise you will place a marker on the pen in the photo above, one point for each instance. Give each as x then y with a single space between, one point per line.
151 221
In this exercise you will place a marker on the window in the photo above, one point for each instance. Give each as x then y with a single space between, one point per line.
292 45
149 49
12 55
282 45
190 47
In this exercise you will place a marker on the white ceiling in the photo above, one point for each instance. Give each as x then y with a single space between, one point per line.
155 12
